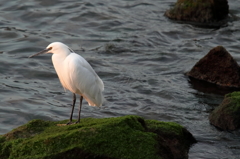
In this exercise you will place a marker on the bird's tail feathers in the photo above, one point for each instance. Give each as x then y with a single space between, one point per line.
95 97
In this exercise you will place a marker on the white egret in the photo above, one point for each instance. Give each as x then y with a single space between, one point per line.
76 75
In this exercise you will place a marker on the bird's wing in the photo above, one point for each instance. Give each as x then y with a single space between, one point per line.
84 80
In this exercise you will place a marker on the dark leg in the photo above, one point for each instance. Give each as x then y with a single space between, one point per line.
78 121
74 101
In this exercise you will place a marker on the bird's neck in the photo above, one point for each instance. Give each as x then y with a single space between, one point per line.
61 55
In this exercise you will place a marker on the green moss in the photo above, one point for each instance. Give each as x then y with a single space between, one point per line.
234 103
165 127
193 4
233 95
170 132
192 7
191 10
230 105
126 137
199 11
226 115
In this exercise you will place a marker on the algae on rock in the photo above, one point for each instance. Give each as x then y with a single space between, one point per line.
128 137
227 115
202 11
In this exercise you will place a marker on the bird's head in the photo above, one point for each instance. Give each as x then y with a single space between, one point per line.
55 48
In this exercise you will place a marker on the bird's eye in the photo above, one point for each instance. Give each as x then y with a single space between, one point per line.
50 48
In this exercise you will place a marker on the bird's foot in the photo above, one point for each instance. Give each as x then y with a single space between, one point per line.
77 122
69 123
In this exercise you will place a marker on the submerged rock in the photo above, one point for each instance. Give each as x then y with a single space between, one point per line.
217 67
204 11
129 137
227 115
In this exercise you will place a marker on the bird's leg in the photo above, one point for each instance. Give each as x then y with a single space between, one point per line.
78 121
74 101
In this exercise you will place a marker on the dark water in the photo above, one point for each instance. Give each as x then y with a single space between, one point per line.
140 55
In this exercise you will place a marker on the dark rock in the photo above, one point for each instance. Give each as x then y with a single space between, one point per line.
203 11
227 115
128 137
217 67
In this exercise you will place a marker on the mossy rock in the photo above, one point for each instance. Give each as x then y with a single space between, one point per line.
202 11
128 137
227 115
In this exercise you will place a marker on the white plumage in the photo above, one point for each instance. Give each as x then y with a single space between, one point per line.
76 75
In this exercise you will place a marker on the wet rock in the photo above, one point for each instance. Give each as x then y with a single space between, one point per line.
128 137
203 11
227 115
217 67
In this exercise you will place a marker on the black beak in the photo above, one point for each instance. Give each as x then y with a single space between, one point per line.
41 52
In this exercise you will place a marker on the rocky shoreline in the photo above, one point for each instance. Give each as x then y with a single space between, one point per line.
128 137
